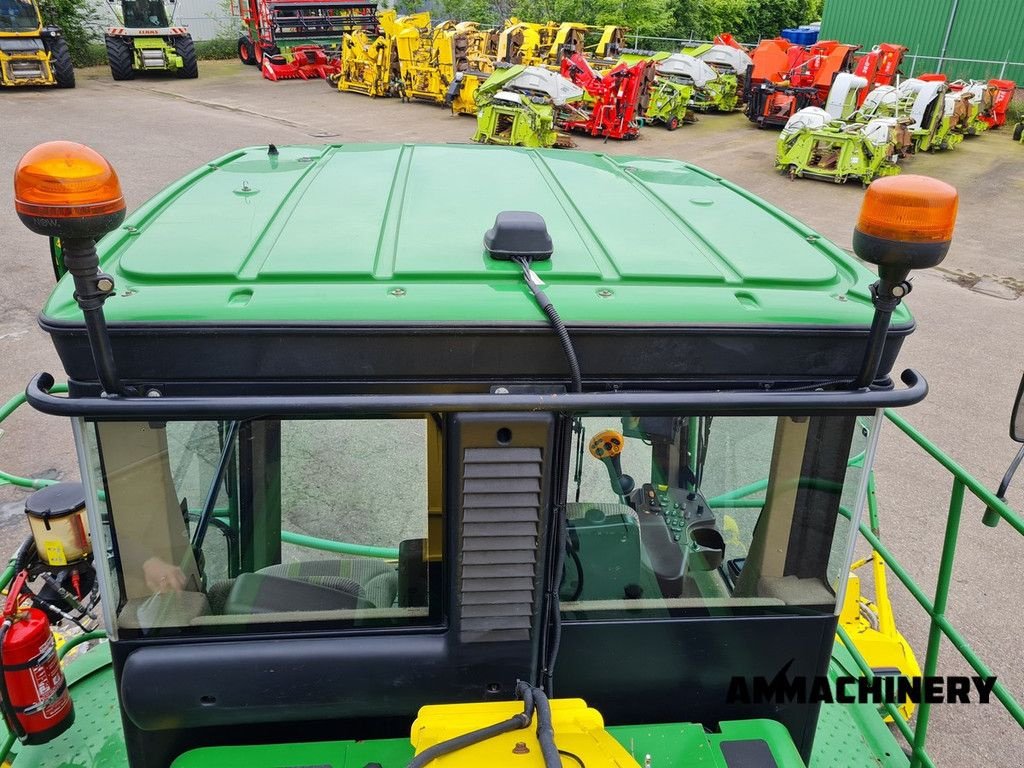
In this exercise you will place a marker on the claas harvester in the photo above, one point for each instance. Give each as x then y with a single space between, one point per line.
300 39
31 52
501 483
147 40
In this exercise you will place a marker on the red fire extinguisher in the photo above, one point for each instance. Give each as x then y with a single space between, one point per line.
33 692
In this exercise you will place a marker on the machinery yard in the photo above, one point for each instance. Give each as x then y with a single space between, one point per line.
969 313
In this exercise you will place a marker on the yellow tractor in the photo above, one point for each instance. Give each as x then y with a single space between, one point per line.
31 53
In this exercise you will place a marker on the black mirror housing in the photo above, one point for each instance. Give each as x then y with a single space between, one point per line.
1017 417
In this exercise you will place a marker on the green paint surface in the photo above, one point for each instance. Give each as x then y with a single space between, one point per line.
326 234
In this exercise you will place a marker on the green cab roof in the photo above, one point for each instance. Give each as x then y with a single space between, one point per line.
392 233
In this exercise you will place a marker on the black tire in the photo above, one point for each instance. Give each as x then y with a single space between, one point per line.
186 49
246 54
60 62
119 56
1018 131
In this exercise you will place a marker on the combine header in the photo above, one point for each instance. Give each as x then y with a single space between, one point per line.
731 62
520 106
369 65
678 80
540 45
934 121
616 99
814 144
300 39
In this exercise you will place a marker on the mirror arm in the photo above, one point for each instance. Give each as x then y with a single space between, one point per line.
991 517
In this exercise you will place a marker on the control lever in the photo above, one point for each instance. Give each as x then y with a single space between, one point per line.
662 549
607 446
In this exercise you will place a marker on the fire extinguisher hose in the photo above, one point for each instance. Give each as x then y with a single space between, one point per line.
10 716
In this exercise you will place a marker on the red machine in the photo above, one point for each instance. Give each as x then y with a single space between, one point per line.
299 39
308 61
879 66
726 39
618 98
996 101
786 78
35 699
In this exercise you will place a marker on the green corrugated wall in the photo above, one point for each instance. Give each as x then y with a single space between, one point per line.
982 29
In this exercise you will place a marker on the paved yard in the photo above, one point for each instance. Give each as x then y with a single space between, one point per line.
968 343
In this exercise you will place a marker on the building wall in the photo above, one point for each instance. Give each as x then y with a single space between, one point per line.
990 33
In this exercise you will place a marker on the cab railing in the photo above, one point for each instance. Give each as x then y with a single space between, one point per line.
935 607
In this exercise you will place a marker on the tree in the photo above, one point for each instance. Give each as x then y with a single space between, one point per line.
76 19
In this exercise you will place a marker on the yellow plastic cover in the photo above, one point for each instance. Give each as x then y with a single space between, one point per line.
579 730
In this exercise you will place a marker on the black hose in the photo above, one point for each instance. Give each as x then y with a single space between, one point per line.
515 723
554 601
23 553
13 723
556 324
545 732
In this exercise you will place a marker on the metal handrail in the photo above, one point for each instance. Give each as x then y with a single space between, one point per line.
936 609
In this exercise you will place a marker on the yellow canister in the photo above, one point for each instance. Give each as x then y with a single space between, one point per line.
56 515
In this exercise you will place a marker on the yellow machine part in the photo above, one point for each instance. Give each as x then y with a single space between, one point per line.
35 59
579 729
872 628
368 66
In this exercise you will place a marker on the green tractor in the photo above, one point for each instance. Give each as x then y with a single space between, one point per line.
147 41
32 53
519 106
472 485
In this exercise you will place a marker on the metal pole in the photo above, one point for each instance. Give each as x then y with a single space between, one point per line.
949 31
1002 71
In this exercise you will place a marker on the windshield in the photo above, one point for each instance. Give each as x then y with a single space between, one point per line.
227 526
18 16
144 13
243 526
727 514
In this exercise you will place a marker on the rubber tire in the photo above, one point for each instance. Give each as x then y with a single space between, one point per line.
120 58
246 54
60 63
672 124
1018 131
186 49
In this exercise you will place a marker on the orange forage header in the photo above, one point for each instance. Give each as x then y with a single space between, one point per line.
64 180
909 209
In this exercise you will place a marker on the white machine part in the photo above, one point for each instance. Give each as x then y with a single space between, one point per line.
877 131
844 83
883 96
810 118
924 93
559 89
682 65
727 57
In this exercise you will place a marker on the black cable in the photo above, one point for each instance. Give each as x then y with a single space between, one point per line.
555 604
573 756
556 322
545 731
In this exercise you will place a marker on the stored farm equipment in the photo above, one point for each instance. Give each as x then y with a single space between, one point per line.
815 144
732 63
520 106
147 40
996 102
30 52
300 39
933 118
679 78
617 99
880 66
443 64
542 45
785 78
370 65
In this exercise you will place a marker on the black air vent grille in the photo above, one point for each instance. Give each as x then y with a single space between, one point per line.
501 497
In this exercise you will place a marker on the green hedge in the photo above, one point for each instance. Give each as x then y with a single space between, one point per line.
95 54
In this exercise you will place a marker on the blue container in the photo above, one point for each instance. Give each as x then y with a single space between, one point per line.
793 35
